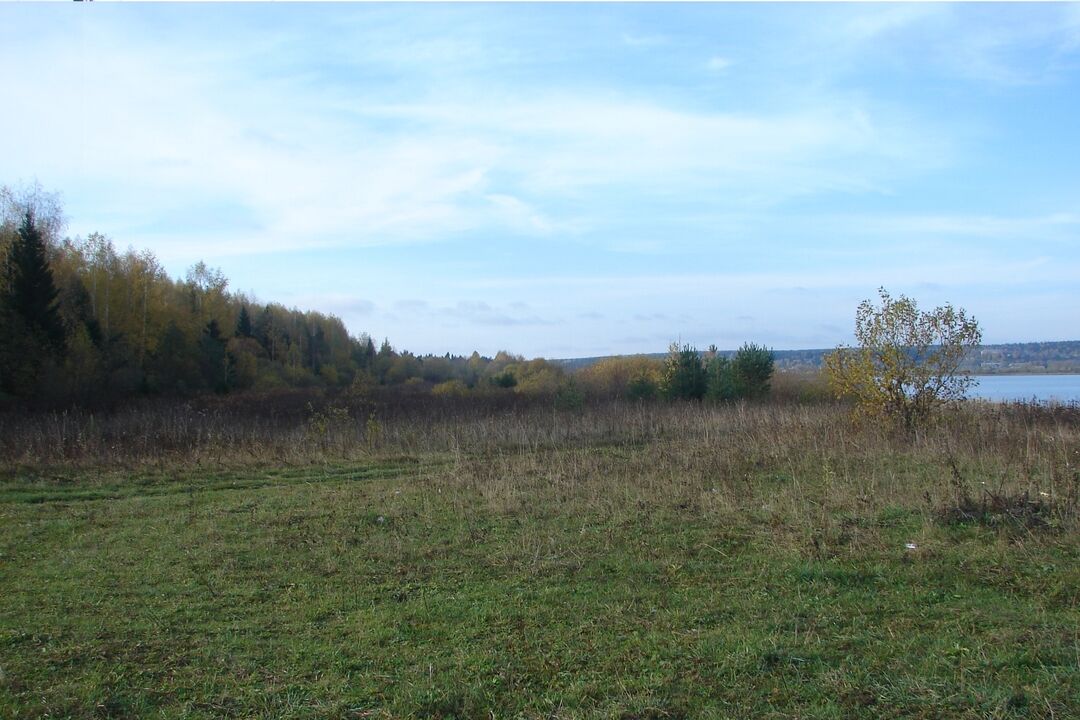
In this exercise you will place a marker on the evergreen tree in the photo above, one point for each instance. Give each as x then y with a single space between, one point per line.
720 384
365 353
33 332
752 369
243 323
31 293
684 374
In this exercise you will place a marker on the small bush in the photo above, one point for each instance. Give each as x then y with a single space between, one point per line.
569 396
635 377
450 389
641 387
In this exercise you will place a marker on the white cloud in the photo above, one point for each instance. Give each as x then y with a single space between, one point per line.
717 63
1012 45
870 23
564 144
140 129
157 129
634 40
375 126
519 214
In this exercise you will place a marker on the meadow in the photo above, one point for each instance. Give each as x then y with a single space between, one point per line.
514 558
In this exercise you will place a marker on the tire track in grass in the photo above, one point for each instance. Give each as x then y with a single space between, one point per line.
69 490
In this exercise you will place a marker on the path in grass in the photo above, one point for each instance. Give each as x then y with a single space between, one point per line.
409 589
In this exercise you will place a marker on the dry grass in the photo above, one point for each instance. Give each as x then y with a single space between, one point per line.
791 461
627 560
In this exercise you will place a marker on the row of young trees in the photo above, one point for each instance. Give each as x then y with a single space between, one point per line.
685 374
84 322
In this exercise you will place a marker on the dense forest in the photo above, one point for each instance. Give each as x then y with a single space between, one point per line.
87 324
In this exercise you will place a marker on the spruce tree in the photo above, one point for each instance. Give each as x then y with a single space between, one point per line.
243 323
31 293
31 327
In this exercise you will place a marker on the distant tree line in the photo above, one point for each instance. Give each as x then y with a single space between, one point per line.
85 323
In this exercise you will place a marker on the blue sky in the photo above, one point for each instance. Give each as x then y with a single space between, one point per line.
569 180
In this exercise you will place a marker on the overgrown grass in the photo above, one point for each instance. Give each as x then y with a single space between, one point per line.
627 561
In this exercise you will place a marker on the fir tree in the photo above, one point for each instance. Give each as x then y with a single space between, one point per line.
31 325
243 323
31 293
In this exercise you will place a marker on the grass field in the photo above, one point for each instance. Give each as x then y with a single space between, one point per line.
661 561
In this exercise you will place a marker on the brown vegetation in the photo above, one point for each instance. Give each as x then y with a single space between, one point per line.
515 446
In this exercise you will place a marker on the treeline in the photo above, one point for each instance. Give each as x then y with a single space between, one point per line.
1062 356
684 374
85 323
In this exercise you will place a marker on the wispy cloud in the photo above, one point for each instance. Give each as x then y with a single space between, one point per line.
634 40
310 174
718 64
1006 46
653 172
871 23
318 164
623 142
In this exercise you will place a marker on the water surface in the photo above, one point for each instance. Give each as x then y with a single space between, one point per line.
1041 388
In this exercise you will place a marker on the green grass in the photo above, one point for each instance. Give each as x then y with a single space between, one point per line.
660 579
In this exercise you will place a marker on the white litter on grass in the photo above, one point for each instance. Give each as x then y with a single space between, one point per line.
911 546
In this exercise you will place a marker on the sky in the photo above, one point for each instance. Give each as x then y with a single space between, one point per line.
570 180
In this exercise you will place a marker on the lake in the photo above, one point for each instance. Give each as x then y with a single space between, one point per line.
1044 388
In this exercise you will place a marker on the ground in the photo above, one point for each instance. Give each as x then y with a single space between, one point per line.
704 574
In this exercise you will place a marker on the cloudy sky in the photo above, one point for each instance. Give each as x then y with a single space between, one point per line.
570 180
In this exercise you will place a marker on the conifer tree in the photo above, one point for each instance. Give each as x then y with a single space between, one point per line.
752 369
243 323
32 329
684 374
31 294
